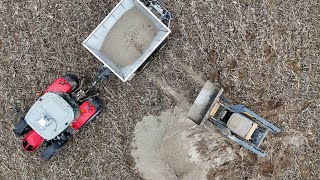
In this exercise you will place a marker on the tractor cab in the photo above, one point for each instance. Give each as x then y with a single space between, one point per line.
48 118
241 125
52 114
236 122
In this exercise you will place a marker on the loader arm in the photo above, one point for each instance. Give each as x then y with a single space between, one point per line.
244 144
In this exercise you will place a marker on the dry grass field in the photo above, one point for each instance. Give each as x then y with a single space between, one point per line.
264 53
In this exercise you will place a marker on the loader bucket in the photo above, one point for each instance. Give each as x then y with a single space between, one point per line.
206 98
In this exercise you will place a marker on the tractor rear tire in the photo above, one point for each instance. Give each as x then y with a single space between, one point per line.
72 80
21 127
97 103
52 149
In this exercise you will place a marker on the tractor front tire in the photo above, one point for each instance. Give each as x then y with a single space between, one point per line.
72 80
52 149
21 127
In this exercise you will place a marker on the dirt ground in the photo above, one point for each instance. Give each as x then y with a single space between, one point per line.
172 147
264 53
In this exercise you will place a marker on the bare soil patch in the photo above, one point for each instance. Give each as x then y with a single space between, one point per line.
170 146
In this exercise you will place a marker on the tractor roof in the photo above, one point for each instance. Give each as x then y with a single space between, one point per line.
50 115
239 124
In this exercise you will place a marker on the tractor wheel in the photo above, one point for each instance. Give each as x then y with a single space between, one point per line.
73 80
52 149
22 127
97 103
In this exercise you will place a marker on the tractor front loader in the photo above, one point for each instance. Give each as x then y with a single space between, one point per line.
236 122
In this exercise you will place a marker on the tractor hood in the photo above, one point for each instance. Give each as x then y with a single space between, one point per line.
50 115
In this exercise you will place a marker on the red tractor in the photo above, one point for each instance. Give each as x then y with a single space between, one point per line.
58 114
63 108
